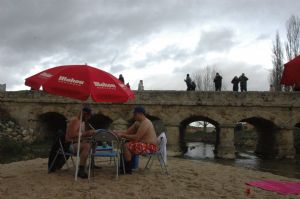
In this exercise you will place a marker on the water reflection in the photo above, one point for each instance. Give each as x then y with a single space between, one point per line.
288 168
200 150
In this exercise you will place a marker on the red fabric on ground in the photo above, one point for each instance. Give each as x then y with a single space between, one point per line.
281 187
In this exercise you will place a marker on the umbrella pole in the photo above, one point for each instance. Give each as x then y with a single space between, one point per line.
78 146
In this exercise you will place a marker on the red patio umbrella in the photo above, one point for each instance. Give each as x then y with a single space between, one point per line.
291 73
80 82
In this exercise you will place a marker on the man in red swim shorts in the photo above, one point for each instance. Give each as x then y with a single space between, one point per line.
141 136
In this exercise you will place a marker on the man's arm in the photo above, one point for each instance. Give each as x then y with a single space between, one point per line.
73 129
139 134
89 133
131 130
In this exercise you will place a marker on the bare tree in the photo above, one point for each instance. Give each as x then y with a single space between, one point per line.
277 60
292 46
198 81
204 79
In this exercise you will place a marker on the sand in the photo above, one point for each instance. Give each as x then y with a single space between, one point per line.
187 179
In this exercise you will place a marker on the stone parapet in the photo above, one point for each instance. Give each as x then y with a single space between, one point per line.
228 99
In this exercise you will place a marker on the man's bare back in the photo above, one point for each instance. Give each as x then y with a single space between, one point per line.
149 135
73 130
72 134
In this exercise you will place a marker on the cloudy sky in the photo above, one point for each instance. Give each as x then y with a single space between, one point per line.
158 41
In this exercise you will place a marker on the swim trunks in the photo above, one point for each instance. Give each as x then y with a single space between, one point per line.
139 148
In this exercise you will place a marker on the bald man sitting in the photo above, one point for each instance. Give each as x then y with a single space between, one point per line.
72 136
141 136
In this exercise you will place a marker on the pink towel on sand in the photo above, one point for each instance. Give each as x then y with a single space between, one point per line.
280 187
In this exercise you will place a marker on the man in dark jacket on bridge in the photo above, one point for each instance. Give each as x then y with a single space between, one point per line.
243 82
188 82
235 81
218 82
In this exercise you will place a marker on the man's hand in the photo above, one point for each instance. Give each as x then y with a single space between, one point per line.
120 134
89 133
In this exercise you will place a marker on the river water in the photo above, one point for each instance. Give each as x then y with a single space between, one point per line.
204 152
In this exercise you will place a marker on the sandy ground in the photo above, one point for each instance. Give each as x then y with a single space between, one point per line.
187 179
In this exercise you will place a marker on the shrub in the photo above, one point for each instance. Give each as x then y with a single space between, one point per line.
11 150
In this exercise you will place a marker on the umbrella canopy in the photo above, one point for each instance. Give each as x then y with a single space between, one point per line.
80 82
291 73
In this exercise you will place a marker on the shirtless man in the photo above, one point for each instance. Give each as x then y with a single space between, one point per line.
72 136
141 136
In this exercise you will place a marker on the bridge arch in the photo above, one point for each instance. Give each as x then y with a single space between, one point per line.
48 125
100 121
266 132
194 118
296 135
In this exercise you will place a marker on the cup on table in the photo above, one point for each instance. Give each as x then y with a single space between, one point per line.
104 144
114 145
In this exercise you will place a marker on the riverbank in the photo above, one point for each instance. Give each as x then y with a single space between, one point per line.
187 179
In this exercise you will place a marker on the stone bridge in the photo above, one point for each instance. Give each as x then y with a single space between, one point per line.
273 114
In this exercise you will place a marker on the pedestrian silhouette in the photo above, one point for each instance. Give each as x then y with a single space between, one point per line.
121 78
188 82
235 81
141 86
218 82
243 82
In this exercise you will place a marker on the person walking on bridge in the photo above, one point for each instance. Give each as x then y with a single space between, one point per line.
188 82
121 78
235 81
218 82
243 82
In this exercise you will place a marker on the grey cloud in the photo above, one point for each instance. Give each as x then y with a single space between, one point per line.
195 64
262 37
171 52
59 32
219 40
117 68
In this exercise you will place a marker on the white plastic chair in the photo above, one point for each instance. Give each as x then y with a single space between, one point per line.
159 155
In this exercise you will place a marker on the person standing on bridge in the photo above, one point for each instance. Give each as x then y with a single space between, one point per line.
141 86
235 81
193 86
218 82
188 82
121 78
243 82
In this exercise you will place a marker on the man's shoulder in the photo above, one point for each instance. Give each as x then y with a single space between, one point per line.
148 120
145 122
73 120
